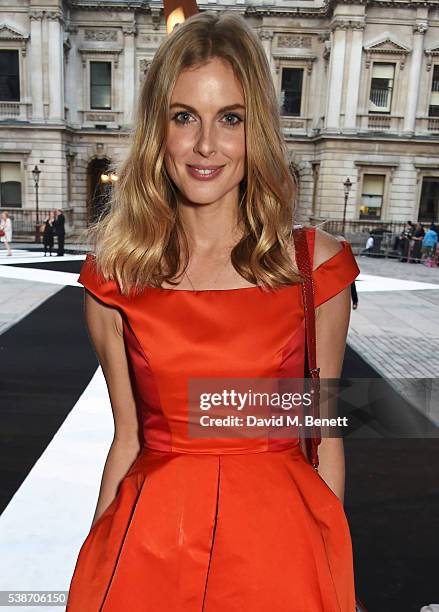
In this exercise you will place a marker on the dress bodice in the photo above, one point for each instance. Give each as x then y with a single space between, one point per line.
173 335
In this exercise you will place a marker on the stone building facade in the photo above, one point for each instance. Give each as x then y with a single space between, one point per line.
358 86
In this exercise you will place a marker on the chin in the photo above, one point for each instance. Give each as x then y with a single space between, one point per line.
195 197
201 201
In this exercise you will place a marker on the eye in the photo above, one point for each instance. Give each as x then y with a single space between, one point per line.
177 117
237 117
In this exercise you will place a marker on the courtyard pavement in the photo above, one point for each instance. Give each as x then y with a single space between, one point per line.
397 332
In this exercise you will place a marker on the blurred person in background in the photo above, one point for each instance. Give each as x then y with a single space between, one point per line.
404 241
369 245
59 226
354 296
48 233
429 246
416 244
6 230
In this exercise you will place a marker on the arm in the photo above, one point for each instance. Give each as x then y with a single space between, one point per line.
332 322
106 332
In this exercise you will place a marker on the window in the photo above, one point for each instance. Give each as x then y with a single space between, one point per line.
291 91
100 85
433 110
9 76
372 196
10 185
381 88
429 205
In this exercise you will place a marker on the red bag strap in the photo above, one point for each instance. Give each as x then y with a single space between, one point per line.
312 371
303 261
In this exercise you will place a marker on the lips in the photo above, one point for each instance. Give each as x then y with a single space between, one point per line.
205 167
204 173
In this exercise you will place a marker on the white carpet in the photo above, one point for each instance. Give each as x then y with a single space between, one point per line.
50 515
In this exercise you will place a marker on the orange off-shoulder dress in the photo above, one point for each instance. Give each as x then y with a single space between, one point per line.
215 525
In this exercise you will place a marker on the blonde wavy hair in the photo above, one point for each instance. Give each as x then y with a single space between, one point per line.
139 239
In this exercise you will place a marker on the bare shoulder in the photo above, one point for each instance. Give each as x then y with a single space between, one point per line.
325 247
101 318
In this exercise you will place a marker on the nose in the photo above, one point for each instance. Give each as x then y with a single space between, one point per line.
206 141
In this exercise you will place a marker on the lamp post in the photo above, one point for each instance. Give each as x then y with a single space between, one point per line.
107 180
36 176
177 11
347 187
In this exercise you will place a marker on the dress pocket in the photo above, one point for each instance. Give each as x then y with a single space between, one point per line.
328 495
132 474
331 495
108 510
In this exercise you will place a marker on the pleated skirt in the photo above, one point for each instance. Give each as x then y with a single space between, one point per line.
255 532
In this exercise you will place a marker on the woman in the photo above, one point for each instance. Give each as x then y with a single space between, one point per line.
193 276
48 233
6 231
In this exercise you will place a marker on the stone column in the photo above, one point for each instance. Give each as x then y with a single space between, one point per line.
36 65
72 76
353 84
56 67
415 77
266 37
129 33
336 71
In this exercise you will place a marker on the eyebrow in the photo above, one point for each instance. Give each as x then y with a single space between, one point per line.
221 110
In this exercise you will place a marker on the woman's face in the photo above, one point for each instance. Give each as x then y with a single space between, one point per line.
206 129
